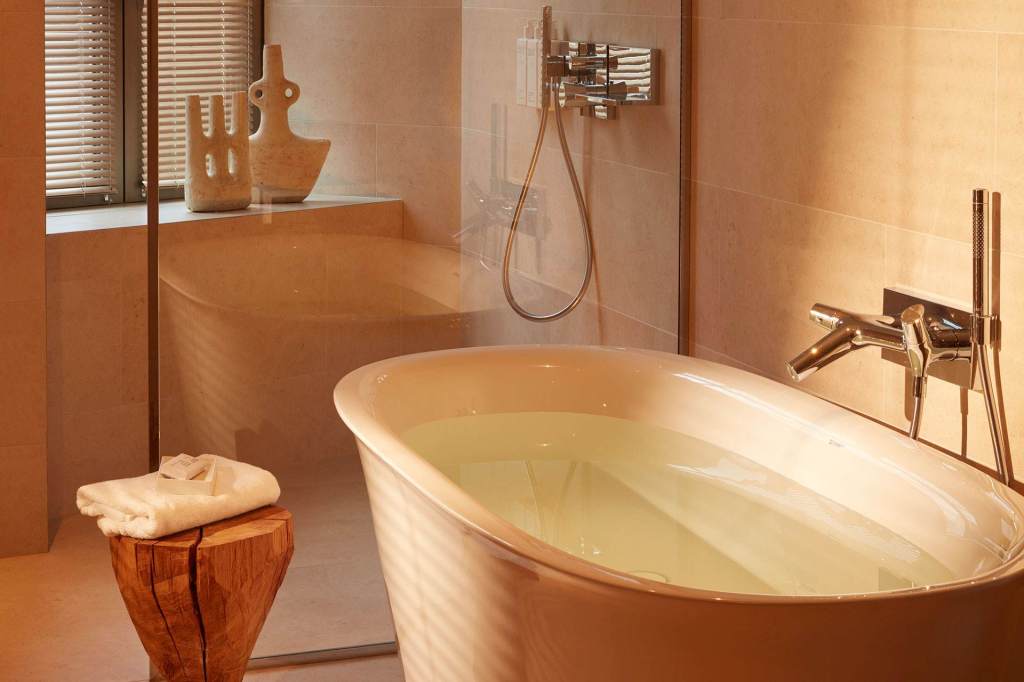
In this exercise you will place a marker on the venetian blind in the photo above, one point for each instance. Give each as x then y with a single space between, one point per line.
206 47
82 103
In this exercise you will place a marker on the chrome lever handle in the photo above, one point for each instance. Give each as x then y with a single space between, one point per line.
591 62
928 341
917 339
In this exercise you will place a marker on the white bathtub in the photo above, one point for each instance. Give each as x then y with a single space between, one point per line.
580 513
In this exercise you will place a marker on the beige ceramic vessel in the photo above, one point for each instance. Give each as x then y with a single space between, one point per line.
476 598
217 173
285 166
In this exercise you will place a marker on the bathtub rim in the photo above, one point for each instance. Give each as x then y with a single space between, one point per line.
426 480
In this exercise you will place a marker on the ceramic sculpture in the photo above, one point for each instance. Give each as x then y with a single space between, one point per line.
217 171
285 166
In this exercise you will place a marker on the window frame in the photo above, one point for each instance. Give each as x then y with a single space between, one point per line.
127 147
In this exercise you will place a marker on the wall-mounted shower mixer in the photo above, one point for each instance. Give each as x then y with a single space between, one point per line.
596 78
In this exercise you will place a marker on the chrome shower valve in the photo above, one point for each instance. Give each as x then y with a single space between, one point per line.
598 78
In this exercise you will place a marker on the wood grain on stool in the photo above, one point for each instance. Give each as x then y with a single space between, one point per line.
199 598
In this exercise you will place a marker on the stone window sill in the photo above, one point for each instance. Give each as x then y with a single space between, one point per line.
63 221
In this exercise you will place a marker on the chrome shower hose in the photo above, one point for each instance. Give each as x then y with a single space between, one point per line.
550 90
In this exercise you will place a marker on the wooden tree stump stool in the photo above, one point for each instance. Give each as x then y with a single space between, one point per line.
199 598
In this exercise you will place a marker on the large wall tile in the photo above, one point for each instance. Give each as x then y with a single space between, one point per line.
21 100
885 124
371 64
962 14
489 69
22 374
421 165
637 242
965 15
84 342
1010 147
21 208
23 526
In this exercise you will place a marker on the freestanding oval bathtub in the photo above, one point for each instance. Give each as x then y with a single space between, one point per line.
579 513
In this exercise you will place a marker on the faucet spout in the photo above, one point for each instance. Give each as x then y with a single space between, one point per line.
847 332
828 349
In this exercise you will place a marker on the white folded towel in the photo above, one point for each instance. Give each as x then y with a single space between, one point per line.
133 507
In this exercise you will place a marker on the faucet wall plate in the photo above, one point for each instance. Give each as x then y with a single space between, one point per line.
598 78
945 313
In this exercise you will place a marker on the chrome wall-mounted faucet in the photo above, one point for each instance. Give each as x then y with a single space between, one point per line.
931 338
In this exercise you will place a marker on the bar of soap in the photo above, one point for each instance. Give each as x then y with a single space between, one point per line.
182 467
204 484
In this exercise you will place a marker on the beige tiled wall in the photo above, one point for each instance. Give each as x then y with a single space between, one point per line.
23 518
381 79
835 146
629 169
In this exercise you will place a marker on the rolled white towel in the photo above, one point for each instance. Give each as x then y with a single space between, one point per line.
134 507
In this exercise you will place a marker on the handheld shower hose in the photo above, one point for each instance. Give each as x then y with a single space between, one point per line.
550 91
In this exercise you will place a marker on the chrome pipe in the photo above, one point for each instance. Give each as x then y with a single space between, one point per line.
918 389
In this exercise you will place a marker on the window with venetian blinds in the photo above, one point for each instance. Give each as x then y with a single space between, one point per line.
206 47
82 44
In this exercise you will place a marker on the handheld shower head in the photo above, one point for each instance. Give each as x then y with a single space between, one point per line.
981 303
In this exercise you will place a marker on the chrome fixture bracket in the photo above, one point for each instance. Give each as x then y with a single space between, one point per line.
939 315
599 78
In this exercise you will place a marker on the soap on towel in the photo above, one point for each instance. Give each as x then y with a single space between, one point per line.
134 507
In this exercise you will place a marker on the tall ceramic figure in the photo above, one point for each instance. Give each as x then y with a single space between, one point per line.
217 176
285 166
